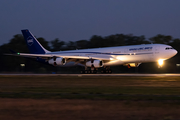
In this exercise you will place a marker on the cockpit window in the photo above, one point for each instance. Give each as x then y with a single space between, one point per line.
168 48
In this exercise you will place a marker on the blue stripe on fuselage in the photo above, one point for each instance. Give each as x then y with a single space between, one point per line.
95 53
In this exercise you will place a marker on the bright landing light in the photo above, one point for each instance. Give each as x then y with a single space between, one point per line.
160 62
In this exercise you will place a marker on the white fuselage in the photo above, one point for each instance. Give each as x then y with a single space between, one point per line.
125 54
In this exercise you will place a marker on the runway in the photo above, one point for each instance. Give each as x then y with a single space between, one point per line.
80 75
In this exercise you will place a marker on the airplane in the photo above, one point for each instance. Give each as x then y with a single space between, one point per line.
92 59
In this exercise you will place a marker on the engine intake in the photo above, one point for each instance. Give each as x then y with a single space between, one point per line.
94 63
57 61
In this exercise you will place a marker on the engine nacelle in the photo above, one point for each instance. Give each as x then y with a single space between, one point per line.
94 63
57 61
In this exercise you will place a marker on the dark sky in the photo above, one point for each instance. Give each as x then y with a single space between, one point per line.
72 20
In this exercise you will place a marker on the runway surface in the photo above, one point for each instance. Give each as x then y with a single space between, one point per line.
80 75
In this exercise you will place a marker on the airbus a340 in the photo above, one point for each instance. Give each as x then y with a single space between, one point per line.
95 58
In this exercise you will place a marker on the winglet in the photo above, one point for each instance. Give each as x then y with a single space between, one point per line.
34 46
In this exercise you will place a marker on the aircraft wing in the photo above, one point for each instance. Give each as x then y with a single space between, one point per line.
106 57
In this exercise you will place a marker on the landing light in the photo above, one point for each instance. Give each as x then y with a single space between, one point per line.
160 62
178 65
111 59
22 65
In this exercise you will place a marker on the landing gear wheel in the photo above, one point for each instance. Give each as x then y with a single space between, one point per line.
106 71
82 71
93 71
88 71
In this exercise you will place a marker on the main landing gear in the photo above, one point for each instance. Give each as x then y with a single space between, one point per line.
88 71
105 70
93 70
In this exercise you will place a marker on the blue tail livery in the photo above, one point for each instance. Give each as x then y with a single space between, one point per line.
34 46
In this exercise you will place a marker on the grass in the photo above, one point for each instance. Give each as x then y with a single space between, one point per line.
75 87
79 98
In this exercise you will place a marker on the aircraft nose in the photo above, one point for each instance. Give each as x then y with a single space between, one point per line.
175 52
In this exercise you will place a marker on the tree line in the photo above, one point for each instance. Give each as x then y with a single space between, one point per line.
17 43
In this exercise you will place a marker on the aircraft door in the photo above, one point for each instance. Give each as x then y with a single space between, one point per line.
125 50
153 54
156 50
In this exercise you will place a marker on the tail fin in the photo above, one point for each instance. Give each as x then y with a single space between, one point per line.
34 46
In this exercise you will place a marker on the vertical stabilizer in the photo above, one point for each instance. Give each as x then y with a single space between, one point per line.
34 46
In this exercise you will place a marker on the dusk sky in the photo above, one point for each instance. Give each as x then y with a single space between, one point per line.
73 20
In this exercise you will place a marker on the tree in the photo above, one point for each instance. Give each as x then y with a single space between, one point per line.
17 44
97 41
12 63
71 46
56 44
82 44
44 43
162 39
176 45
135 40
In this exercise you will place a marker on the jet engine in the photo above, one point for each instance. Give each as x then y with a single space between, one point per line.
57 61
94 63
